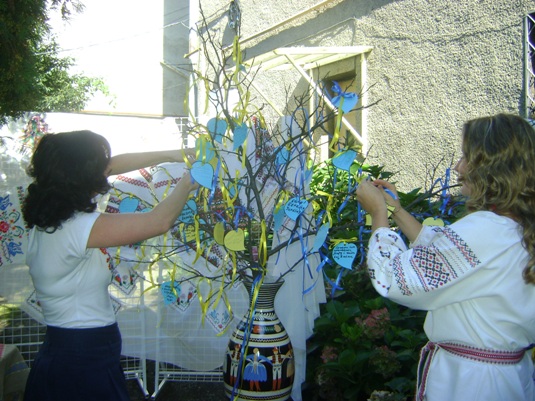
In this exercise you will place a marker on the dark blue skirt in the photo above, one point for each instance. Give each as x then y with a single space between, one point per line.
78 365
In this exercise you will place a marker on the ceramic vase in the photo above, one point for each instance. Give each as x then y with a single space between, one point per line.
259 362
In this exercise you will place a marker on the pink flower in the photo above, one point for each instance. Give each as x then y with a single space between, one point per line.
377 323
329 354
385 360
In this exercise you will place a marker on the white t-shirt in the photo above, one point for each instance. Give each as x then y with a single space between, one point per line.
71 281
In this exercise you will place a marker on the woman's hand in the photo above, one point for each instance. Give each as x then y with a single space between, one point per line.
188 182
390 193
370 197
184 154
372 200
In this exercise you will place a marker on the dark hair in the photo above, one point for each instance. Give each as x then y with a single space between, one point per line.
68 171
500 156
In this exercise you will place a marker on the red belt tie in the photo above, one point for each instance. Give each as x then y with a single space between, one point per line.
465 351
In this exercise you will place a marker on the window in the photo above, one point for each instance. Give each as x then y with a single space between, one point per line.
350 76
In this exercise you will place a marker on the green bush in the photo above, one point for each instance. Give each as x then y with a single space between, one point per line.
364 346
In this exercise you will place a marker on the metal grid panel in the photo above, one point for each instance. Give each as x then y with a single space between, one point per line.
168 372
27 334
529 63
19 329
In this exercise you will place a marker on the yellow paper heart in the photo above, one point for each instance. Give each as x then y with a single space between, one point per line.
234 240
219 233
189 231
431 221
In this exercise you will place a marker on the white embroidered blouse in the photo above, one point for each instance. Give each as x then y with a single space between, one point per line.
468 276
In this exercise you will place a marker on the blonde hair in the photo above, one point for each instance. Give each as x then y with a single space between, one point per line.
500 156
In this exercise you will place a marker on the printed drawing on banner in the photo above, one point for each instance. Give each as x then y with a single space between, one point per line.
219 317
124 279
116 304
178 296
13 231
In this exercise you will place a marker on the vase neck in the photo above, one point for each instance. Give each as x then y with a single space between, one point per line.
266 293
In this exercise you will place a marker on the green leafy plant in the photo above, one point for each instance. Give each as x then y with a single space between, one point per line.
366 347
33 76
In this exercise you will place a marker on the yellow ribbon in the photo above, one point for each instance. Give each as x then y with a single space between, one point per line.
262 248
199 251
328 206
204 303
333 242
338 123
283 197
237 58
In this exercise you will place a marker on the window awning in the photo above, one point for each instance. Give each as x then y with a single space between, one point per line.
305 57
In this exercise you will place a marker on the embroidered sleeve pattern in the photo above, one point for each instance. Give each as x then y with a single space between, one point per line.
423 268
383 248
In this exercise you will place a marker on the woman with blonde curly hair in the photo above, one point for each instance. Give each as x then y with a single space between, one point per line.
475 277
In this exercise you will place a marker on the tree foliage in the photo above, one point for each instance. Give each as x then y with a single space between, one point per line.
32 75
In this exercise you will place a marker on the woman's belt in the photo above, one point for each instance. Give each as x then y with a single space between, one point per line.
465 351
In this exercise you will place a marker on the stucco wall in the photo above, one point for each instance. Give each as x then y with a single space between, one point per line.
434 65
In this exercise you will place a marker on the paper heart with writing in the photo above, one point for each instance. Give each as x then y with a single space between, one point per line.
344 254
188 212
295 207
170 293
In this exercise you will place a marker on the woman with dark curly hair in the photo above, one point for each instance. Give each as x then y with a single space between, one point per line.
475 277
80 357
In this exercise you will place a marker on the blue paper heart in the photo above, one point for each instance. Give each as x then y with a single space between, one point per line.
205 149
233 188
240 134
203 174
294 207
169 294
347 100
343 160
344 254
350 100
278 218
321 236
308 175
128 205
188 212
283 155
217 127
